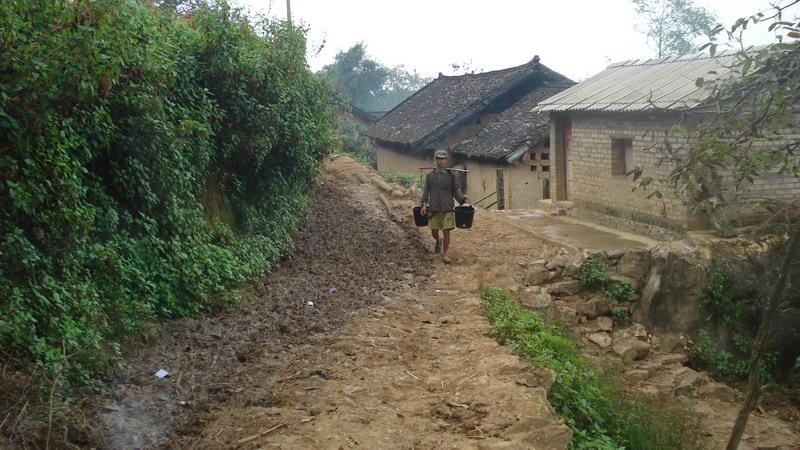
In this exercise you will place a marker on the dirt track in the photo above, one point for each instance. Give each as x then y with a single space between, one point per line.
364 339
392 354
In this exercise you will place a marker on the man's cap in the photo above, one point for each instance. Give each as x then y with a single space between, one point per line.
440 154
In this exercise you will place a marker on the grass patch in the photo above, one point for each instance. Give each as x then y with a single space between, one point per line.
591 401
404 179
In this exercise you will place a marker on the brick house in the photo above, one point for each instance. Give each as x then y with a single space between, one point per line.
485 122
607 125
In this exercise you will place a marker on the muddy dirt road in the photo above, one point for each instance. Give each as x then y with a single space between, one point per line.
364 339
360 339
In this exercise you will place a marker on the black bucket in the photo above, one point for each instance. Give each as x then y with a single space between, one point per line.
419 219
464 216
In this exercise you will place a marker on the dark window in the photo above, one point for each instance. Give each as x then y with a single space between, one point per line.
621 156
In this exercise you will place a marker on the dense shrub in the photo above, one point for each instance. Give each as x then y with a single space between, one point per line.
117 121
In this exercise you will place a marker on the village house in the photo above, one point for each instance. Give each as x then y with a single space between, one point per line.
606 126
485 122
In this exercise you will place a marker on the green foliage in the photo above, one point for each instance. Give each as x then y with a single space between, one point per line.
403 179
593 274
621 292
115 119
352 141
731 365
620 314
369 84
716 300
671 25
591 402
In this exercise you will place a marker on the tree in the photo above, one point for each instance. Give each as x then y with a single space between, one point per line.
672 25
369 84
743 136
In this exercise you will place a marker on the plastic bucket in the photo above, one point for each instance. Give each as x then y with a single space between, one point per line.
464 216
419 219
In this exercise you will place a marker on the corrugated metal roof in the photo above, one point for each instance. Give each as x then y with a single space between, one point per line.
636 85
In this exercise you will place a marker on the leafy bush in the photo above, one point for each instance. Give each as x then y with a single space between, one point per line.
716 299
621 292
403 179
731 365
351 140
593 274
116 120
592 403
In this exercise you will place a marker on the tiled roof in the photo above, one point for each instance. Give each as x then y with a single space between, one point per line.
514 126
432 111
637 85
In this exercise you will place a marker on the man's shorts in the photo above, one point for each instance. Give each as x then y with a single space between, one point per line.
442 220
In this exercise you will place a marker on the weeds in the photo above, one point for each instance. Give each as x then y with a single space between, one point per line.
404 179
593 274
716 299
726 364
592 402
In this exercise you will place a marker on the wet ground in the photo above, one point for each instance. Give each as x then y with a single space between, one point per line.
341 266
362 338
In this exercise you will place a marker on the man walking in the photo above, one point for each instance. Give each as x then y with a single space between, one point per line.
441 186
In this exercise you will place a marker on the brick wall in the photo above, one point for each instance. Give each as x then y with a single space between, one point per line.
594 185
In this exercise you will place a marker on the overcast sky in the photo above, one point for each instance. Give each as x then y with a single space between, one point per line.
577 38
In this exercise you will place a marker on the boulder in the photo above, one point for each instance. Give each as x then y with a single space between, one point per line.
570 287
602 340
634 264
558 262
631 349
605 323
534 298
536 275
594 308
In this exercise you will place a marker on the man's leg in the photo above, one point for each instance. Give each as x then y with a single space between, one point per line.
437 246
446 245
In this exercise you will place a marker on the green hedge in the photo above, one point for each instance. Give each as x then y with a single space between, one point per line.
151 160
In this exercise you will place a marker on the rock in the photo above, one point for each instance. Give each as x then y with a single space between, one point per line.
565 311
602 340
594 308
534 298
669 359
785 332
634 264
688 380
638 330
670 342
538 377
637 374
615 254
668 298
605 323
718 391
350 389
536 275
572 270
631 349
570 287
558 262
